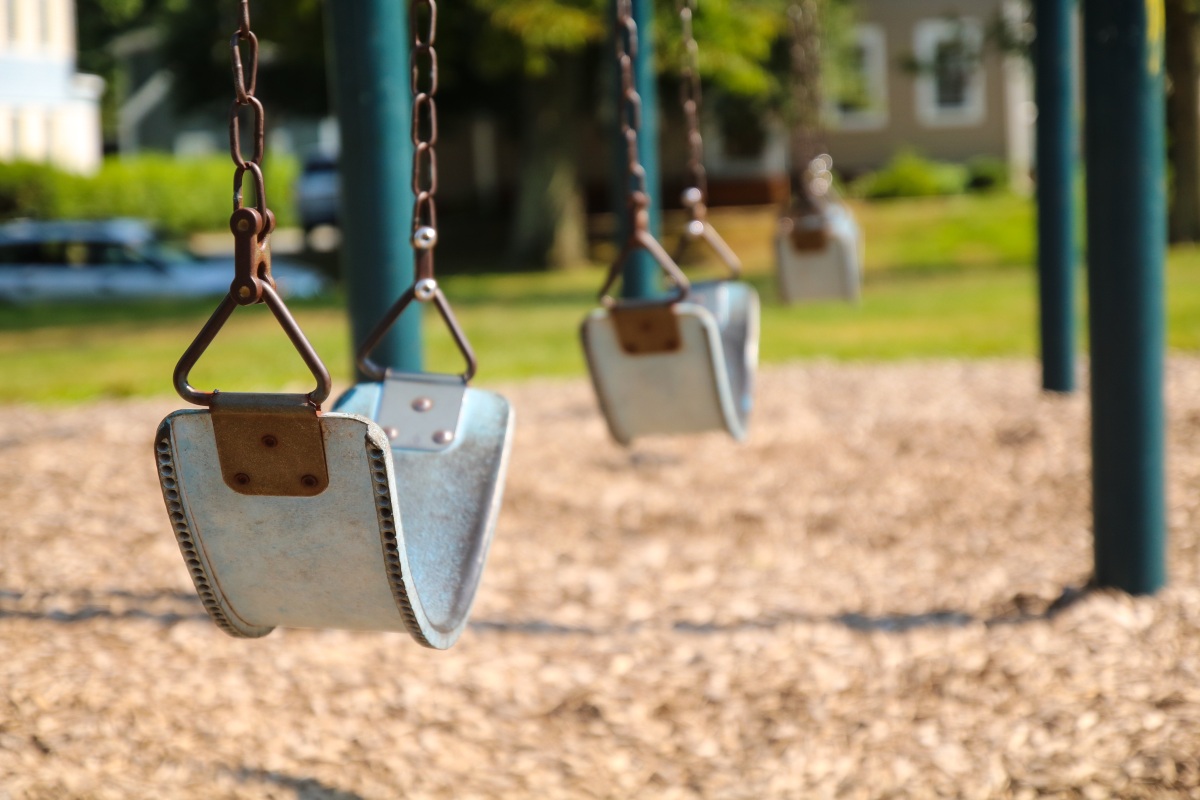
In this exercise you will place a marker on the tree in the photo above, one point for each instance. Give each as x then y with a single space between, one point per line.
559 50
1183 120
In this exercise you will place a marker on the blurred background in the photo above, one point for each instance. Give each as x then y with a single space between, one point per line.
118 109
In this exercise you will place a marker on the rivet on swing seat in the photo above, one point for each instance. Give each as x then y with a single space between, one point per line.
819 256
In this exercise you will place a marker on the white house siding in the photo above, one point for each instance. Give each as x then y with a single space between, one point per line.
48 112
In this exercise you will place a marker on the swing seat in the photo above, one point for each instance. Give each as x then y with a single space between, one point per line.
819 256
317 521
672 368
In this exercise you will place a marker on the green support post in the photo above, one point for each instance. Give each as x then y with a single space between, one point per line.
1057 133
1126 240
369 70
640 277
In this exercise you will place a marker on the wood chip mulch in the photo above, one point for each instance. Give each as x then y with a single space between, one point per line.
880 595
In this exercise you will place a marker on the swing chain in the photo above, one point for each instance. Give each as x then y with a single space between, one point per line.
810 171
695 196
251 226
252 281
424 65
631 117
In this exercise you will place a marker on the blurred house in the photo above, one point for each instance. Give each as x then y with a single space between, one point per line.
48 111
931 78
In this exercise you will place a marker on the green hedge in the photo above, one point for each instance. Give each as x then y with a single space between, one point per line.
910 175
180 196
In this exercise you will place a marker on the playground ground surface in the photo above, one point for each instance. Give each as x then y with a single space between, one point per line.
879 595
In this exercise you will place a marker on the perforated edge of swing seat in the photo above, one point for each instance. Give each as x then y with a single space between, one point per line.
194 556
687 390
830 273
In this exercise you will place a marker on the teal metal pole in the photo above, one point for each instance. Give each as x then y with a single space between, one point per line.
369 68
640 277
1126 238
1057 133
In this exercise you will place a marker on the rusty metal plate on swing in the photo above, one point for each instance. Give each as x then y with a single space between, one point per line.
270 444
808 233
643 329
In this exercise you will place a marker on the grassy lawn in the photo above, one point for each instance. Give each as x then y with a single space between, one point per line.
944 278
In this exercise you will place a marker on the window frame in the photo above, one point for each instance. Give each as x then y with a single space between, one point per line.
928 35
872 38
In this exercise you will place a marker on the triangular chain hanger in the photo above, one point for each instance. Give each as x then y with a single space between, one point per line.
695 196
640 237
208 333
251 227
425 289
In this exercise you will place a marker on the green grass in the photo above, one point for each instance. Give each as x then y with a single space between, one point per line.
945 278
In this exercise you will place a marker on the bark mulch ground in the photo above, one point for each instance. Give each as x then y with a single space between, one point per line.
880 595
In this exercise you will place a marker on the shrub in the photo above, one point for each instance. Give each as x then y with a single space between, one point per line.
910 175
180 196
987 174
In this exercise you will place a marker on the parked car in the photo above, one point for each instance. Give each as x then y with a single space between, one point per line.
317 192
117 259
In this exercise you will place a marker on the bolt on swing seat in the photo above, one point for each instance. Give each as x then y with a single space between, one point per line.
680 364
818 248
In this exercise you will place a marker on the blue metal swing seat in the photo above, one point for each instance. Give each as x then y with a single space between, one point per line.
377 516
680 364
819 249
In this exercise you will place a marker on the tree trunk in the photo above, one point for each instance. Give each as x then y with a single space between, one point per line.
1183 121
550 226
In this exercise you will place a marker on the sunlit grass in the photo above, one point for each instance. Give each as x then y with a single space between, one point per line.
945 278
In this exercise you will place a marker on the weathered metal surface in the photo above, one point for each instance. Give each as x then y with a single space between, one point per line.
828 272
646 328
269 444
704 384
389 546
448 502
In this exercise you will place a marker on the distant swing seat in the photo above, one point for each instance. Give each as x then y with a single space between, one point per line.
683 364
819 256
377 516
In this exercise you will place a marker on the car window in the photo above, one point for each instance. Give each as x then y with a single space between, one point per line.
109 254
44 254
20 253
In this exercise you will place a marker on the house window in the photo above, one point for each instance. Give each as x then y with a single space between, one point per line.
949 68
858 100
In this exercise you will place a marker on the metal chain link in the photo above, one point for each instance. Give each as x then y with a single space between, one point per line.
252 282
811 178
695 196
243 97
251 227
631 116
424 66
